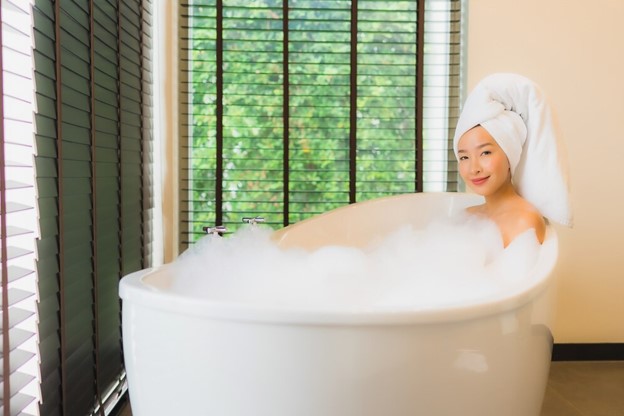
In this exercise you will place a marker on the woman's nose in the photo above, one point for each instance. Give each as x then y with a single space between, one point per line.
475 168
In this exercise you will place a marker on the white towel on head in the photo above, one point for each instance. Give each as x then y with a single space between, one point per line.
513 109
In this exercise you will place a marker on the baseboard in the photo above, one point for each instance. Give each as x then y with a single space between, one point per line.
588 352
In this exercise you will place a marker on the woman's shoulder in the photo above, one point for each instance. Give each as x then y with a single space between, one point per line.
521 218
529 219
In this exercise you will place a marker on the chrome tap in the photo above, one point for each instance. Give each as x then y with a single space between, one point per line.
219 229
253 221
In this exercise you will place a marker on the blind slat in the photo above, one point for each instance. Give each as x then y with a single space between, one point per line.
17 359
17 316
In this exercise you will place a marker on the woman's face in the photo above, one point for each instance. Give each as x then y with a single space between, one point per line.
482 163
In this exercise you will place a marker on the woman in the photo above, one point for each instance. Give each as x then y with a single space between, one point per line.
485 168
509 151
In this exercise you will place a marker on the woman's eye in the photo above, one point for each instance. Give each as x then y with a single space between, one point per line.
486 152
463 158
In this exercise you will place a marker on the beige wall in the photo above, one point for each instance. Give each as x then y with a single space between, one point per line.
575 51
167 94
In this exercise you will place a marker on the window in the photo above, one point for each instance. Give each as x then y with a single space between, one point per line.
292 108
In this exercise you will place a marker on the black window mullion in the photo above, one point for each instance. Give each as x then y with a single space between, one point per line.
286 114
219 116
420 45
353 104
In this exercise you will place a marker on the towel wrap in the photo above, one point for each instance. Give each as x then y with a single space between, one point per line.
516 113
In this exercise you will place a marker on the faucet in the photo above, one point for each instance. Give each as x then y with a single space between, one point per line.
219 229
253 221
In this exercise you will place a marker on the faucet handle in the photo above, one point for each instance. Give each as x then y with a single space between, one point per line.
215 230
253 221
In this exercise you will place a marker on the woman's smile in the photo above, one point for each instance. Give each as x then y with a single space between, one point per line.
479 181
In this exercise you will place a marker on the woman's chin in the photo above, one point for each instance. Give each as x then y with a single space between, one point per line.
478 191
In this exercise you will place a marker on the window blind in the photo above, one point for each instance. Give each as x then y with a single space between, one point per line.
292 108
92 76
18 349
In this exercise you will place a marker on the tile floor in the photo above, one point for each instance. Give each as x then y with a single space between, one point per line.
585 388
575 388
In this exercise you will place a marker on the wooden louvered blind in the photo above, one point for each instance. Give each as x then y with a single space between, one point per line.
292 108
93 133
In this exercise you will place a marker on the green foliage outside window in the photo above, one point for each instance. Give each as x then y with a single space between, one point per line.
319 106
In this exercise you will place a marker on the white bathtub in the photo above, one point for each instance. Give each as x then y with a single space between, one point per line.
196 357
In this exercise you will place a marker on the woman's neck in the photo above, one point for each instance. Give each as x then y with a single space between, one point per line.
500 199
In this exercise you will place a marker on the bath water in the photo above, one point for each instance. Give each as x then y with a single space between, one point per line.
450 262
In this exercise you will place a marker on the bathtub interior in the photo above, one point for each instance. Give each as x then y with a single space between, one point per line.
358 224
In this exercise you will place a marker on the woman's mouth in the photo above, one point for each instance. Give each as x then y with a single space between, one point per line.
479 181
